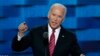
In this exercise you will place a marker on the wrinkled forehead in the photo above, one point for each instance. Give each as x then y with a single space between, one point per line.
57 10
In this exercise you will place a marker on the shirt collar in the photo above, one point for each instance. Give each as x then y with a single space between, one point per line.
50 29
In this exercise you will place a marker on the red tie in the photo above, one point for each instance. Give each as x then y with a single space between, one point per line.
52 43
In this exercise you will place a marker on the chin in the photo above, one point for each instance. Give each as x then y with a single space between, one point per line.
54 27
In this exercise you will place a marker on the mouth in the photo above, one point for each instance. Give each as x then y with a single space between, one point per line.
54 23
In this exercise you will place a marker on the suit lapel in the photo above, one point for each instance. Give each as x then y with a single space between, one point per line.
60 41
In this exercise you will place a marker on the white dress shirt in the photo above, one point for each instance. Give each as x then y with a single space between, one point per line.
57 31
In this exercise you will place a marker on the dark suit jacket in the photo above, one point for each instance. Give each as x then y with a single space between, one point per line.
66 43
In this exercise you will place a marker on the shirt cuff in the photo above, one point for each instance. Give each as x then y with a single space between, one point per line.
19 37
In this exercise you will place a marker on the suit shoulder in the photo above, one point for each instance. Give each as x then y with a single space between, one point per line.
68 31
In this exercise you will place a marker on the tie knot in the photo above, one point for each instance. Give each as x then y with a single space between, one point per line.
53 30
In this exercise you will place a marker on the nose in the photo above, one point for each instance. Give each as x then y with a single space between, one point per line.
55 19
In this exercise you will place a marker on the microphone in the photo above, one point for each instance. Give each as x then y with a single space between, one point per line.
45 36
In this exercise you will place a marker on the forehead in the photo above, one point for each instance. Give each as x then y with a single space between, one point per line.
58 8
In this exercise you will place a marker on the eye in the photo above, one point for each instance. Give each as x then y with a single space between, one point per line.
53 14
60 16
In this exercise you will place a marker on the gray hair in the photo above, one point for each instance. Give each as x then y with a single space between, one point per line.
60 5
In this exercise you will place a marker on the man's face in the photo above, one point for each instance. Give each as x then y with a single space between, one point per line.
56 17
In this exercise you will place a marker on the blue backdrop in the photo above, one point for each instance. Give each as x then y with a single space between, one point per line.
83 18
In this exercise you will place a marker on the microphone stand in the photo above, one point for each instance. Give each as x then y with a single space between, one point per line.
45 35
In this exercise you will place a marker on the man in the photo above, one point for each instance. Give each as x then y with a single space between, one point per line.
59 42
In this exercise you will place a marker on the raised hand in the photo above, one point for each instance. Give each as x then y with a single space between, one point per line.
22 28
